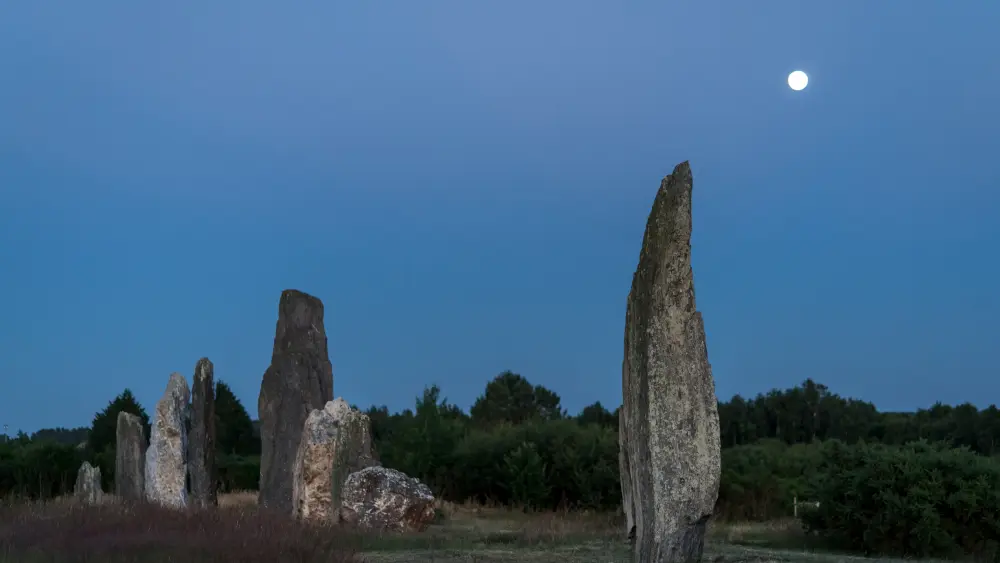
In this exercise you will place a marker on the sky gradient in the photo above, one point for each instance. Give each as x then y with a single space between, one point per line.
465 186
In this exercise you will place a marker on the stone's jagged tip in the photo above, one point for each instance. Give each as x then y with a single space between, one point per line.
290 295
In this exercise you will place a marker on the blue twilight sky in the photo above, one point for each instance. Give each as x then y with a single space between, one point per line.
465 185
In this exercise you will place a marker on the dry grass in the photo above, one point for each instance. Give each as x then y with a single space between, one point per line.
786 533
238 499
117 532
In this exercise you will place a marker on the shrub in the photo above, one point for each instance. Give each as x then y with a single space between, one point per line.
760 481
917 500
237 473
38 470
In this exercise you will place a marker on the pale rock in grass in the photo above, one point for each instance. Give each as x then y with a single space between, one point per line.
88 484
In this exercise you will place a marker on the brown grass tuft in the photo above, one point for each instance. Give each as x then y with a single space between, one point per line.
238 499
115 532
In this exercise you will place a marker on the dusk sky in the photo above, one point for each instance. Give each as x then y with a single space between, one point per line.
465 186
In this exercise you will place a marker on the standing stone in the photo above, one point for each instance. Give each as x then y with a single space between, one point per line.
354 450
336 441
669 432
201 442
298 381
130 458
88 484
166 458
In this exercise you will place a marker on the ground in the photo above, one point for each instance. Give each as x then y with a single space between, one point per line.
470 534
237 531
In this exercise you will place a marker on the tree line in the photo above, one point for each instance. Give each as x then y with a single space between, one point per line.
517 446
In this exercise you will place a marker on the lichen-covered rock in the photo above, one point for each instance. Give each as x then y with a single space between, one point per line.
312 473
354 450
130 458
383 499
166 457
88 484
669 429
298 381
201 441
336 441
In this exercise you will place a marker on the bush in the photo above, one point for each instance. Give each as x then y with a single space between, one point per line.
66 532
577 465
237 473
38 470
917 500
760 481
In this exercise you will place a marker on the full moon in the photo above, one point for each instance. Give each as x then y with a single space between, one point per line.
797 80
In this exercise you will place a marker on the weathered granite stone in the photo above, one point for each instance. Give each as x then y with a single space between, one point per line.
669 427
312 473
166 458
336 441
88 484
383 499
201 440
298 381
130 458
354 450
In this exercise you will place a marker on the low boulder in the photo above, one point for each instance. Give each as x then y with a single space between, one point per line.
383 499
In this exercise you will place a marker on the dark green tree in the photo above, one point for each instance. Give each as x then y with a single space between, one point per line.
103 437
597 414
104 427
234 433
71 436
526 476
511 398
424 442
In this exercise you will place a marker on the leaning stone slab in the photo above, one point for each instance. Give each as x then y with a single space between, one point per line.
669 428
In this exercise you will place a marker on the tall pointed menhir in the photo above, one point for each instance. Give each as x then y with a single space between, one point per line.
201 440
669 431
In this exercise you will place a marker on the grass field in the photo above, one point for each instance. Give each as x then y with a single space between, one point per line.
64 531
